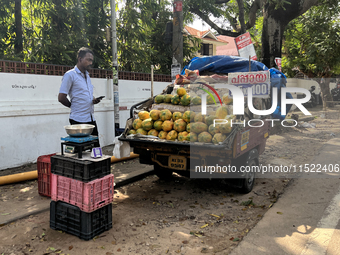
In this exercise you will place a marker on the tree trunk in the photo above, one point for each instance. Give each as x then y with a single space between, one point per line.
241 16
275 21
272 34
18 47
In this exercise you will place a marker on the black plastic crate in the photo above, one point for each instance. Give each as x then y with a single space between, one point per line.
82 170
70 219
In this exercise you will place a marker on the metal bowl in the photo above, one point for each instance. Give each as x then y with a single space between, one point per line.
79 130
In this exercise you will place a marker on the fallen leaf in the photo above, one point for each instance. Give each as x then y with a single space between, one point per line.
204 226
185 242
70 247
5 213
214 215
236 239
119 249
155 246
113 242
236 221
279 212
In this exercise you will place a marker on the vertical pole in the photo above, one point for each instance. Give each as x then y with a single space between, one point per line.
249 63
152 81
115 66
114 35
177 38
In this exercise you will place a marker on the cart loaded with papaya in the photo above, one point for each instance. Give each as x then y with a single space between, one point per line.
197 128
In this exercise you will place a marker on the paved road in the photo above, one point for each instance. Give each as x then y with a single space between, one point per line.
305 220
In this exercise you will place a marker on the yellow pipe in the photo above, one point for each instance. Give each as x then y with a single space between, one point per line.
7 179
14 178
132 155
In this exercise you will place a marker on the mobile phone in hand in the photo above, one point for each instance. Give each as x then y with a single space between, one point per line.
100 98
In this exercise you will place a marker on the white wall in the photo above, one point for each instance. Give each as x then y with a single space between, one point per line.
301 83
32 120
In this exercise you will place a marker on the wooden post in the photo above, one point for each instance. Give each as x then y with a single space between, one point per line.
249 64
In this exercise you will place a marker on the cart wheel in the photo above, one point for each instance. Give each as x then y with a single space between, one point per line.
247 182
162 173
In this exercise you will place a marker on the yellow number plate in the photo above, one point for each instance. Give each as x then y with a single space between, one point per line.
177 162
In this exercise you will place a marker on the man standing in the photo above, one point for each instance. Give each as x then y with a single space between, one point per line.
77 84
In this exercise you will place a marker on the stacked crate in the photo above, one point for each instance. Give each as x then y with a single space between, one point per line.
44 175
81 193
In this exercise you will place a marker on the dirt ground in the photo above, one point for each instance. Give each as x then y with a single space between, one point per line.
182 215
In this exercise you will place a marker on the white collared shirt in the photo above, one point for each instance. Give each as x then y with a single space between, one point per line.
80 91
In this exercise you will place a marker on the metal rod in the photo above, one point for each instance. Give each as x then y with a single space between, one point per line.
152 81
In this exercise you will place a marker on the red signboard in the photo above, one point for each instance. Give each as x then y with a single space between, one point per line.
278 63
245 46
178 6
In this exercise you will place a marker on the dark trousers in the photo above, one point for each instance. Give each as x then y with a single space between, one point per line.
94 132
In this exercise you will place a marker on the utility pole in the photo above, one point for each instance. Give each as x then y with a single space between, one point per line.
115 66
114 41
177 36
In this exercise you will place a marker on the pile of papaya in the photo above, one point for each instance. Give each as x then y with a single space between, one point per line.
187 126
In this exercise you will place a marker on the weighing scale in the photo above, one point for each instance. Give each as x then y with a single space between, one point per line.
78 144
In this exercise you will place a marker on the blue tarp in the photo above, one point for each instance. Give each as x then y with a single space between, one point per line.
223 64
230 64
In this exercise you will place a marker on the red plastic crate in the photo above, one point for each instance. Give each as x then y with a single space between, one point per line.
44 174
88 196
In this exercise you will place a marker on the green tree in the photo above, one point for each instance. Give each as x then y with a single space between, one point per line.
141 37
312 45
7 30
242 15
52 31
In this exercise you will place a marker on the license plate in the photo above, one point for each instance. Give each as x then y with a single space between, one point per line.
177 162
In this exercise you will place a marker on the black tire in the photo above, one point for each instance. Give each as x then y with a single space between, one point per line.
247 182
162 173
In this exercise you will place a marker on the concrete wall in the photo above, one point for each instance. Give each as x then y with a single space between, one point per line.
302 83
32 120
